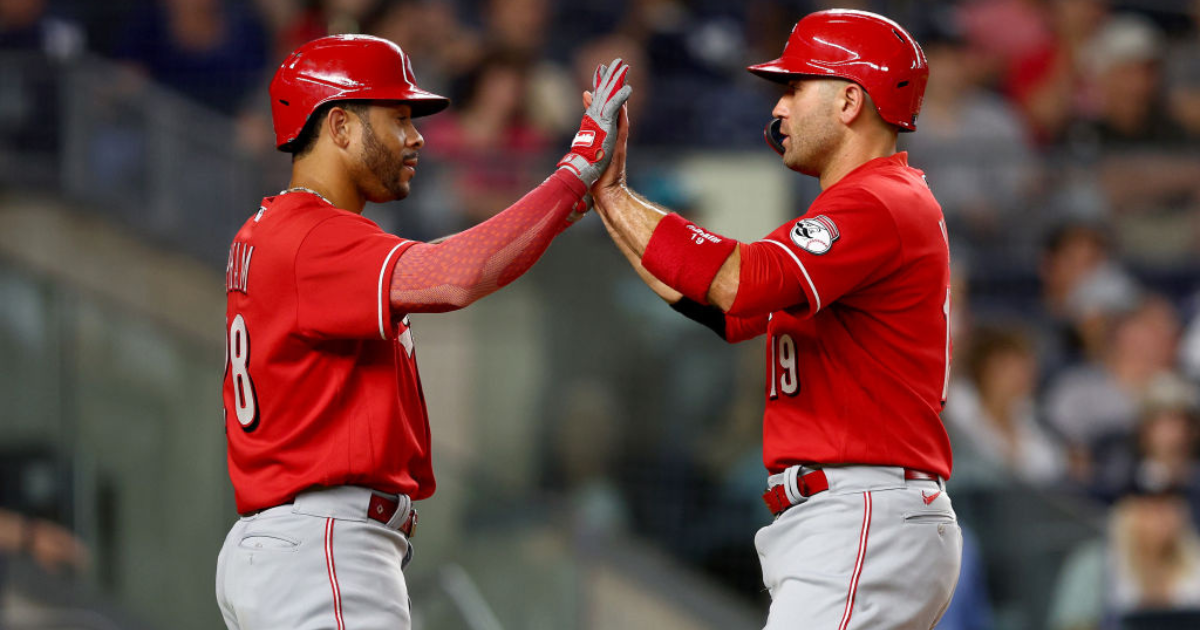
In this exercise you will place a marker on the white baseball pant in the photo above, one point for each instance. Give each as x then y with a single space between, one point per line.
874 551
316 564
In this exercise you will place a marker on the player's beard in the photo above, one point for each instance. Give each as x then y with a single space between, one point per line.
812 138
386 166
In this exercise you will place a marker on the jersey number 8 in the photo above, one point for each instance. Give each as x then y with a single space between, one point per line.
245 402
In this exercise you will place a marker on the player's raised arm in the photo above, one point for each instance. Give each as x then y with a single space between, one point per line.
696 271
476 262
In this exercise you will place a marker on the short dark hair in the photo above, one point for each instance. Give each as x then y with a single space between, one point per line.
304 143
988 342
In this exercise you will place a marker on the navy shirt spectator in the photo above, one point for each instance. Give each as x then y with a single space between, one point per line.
212 51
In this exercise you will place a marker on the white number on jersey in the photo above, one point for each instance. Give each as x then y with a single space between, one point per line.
245 402
784 375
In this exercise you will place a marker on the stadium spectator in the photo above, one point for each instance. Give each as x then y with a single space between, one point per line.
211 51
1026 31
490 148
522 28
1072 254
1100 399
431 32
1183 74
972 147
1163 450
1149 179
1157 553
1149 560
27 25
29 93
600 50
697 58
1049 83
991 414
53 547
318 18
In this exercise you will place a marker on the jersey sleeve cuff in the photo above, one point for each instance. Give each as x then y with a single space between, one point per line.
386 330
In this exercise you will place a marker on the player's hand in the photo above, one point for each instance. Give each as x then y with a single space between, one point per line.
593 147
613 178
581 208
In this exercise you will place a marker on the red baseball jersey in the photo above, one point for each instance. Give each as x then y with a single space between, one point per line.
857 373
321 384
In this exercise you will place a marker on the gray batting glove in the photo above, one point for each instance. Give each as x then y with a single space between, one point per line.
593 146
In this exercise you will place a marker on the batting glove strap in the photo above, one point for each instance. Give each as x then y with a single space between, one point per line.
685 256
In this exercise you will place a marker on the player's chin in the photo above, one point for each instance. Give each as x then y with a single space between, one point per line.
392 191
400 191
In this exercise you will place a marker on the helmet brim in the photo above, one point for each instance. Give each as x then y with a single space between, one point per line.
422 103
783 70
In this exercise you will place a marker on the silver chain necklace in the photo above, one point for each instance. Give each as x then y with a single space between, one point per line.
307 190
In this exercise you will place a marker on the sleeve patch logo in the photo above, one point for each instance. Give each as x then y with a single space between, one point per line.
815 235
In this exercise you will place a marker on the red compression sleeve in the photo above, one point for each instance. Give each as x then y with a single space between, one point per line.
686 257
765 284
474 263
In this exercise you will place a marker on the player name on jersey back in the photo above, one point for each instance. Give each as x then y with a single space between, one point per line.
237 270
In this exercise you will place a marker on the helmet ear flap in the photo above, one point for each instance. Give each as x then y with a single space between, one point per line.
773 134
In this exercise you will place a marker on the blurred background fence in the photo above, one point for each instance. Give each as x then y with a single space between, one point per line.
599 458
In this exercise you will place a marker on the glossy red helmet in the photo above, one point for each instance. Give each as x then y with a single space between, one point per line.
868 49
341 68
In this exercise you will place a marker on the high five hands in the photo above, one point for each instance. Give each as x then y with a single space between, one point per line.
595 144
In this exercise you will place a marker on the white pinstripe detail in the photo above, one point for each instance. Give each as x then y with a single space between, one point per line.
802 270
382 273
858 562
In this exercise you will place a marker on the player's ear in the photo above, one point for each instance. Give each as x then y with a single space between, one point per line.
851 101
340 126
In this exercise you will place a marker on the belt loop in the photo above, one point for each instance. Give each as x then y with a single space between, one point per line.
791 484
402 510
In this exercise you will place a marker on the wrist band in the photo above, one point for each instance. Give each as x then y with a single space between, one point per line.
686 257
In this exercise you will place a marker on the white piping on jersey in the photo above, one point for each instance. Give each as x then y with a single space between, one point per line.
802 270
383 272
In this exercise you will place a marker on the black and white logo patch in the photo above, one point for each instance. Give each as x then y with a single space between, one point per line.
815 235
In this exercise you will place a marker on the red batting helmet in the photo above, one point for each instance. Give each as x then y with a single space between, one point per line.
868 49
341 68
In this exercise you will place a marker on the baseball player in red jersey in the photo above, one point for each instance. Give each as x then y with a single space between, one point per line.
853 297
329 442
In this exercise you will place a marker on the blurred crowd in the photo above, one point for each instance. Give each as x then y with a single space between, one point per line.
1060 137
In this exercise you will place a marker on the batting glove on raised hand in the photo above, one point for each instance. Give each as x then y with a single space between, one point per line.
593 146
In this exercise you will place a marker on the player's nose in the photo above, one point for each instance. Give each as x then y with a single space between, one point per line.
415 139
781 109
